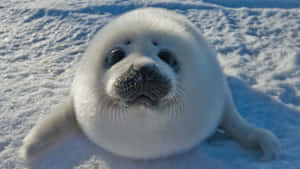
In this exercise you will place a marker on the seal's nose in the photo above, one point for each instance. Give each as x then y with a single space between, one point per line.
147 71
143 83
148 68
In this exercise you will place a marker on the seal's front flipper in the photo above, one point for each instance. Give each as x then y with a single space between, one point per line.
50 130
249 135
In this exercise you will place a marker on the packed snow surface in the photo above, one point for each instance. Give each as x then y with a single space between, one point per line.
258 45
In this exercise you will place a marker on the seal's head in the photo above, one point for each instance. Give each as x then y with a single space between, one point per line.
147 79
137 92
137 62
140 73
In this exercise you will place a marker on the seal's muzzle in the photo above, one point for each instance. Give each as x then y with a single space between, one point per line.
142 84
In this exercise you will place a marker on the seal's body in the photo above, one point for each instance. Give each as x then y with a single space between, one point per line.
150 86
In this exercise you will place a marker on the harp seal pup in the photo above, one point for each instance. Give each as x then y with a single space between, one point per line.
149 86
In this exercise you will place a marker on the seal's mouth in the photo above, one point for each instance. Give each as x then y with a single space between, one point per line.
144 100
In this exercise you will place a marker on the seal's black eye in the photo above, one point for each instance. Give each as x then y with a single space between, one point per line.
154 43
115 56
128 42
169 58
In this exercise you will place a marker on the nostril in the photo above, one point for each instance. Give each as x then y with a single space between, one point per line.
149 72
147 69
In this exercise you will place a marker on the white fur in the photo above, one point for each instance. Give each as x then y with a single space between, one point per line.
203 100
142 132
139 132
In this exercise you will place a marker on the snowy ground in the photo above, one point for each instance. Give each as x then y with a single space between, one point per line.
258 44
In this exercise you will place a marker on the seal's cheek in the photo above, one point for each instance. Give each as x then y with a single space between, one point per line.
109 85
174 80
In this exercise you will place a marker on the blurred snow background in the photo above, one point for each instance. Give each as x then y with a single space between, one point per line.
258 45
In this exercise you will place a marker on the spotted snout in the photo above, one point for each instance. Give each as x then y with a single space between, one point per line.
142 84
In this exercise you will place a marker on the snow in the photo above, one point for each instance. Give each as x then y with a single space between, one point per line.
258 45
